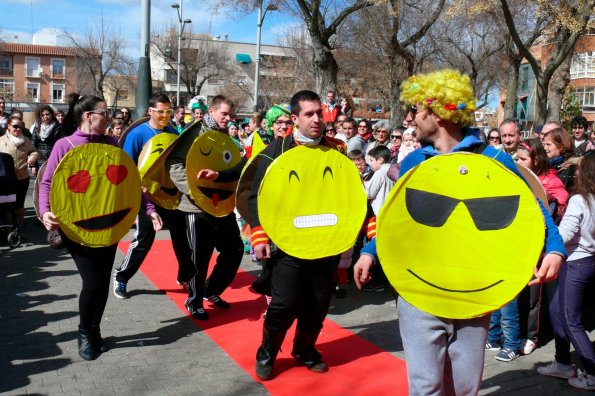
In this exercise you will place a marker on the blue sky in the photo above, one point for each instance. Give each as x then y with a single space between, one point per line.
39 20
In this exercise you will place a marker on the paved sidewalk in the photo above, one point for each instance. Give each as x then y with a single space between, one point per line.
156 349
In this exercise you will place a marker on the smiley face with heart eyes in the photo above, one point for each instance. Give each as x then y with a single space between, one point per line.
95 194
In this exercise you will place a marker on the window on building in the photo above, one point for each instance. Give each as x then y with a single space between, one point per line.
32 92
586 97
583 65
524 78
171 76
5 63
58 93
58 68
123 94
7 88
33 69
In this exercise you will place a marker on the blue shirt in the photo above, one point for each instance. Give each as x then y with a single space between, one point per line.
553 241
139 136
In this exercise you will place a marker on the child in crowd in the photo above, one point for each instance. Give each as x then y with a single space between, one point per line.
116 129
409 144
359 159
380 184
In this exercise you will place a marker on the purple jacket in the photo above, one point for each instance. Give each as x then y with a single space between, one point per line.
62 146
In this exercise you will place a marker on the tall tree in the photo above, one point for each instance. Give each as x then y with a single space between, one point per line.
101 51
569 20
201 58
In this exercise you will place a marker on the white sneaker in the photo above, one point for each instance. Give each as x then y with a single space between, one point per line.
583 381
528 346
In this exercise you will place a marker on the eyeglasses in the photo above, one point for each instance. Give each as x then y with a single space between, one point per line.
162 112
330 130
362 126
284 123
413 110
396 137
494 138
17 126
101 112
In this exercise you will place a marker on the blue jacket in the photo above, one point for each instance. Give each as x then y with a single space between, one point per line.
139 136
553 240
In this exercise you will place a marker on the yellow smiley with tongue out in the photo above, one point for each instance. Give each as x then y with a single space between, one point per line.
218 152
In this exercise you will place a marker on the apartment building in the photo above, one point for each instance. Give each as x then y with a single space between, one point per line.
31 74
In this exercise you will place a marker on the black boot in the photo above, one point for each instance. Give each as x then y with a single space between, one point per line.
305 353
86 345
267 353
98 342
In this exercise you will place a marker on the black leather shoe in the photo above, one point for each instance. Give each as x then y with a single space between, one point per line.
99 342
86 345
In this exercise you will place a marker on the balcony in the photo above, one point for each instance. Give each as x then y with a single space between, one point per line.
33 73
6 73
58 76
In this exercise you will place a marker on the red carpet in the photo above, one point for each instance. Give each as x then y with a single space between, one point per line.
357 367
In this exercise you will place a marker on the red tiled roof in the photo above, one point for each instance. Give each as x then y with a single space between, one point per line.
35 49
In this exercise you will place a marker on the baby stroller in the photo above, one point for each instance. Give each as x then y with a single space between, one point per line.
8 217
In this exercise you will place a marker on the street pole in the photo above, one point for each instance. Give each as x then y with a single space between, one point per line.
179 49
257 59
143 84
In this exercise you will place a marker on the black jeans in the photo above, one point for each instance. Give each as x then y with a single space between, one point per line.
300 289
95 267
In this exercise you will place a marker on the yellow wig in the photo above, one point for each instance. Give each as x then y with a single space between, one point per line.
447 93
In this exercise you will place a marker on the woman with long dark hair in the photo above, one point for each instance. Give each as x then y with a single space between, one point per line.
46 131
93 263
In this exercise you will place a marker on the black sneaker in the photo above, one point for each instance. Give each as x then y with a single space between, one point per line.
197 313
120 289
373 288
217 301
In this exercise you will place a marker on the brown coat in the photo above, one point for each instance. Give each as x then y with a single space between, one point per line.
19 154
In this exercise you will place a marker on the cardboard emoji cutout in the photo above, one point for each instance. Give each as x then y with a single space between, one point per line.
154 177
216 151
459 234
95 194
311 202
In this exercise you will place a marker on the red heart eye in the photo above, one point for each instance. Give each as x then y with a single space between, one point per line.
116 173
79 182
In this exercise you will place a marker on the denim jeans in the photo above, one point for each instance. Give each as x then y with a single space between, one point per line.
566 311
505 321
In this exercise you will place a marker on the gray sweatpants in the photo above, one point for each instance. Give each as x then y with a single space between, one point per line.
443 356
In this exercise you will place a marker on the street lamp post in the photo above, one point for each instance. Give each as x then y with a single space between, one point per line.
180 9
261 15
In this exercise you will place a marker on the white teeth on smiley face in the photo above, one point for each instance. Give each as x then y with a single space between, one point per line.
312 221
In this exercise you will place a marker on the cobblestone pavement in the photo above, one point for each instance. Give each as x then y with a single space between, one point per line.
156 349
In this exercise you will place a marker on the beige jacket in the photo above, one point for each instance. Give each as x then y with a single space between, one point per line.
20 155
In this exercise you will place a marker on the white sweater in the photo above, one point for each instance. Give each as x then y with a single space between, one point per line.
578 228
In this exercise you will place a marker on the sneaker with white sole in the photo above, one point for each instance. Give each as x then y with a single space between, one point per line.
120 289
217 301
490 346
197 313
528 346
583 381
558 370
507 355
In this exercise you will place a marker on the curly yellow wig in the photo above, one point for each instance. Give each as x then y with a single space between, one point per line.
447 93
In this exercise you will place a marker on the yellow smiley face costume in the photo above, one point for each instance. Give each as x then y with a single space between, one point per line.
154 177
311 202
459 235
218 152
95 194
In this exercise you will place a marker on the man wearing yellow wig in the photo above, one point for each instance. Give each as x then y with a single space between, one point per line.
446 356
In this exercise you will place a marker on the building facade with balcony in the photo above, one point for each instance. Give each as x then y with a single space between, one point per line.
582 80
31 74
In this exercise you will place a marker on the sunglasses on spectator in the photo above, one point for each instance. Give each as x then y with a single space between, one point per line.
494 138
396 137
17 126
284 123
101 112
162 112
